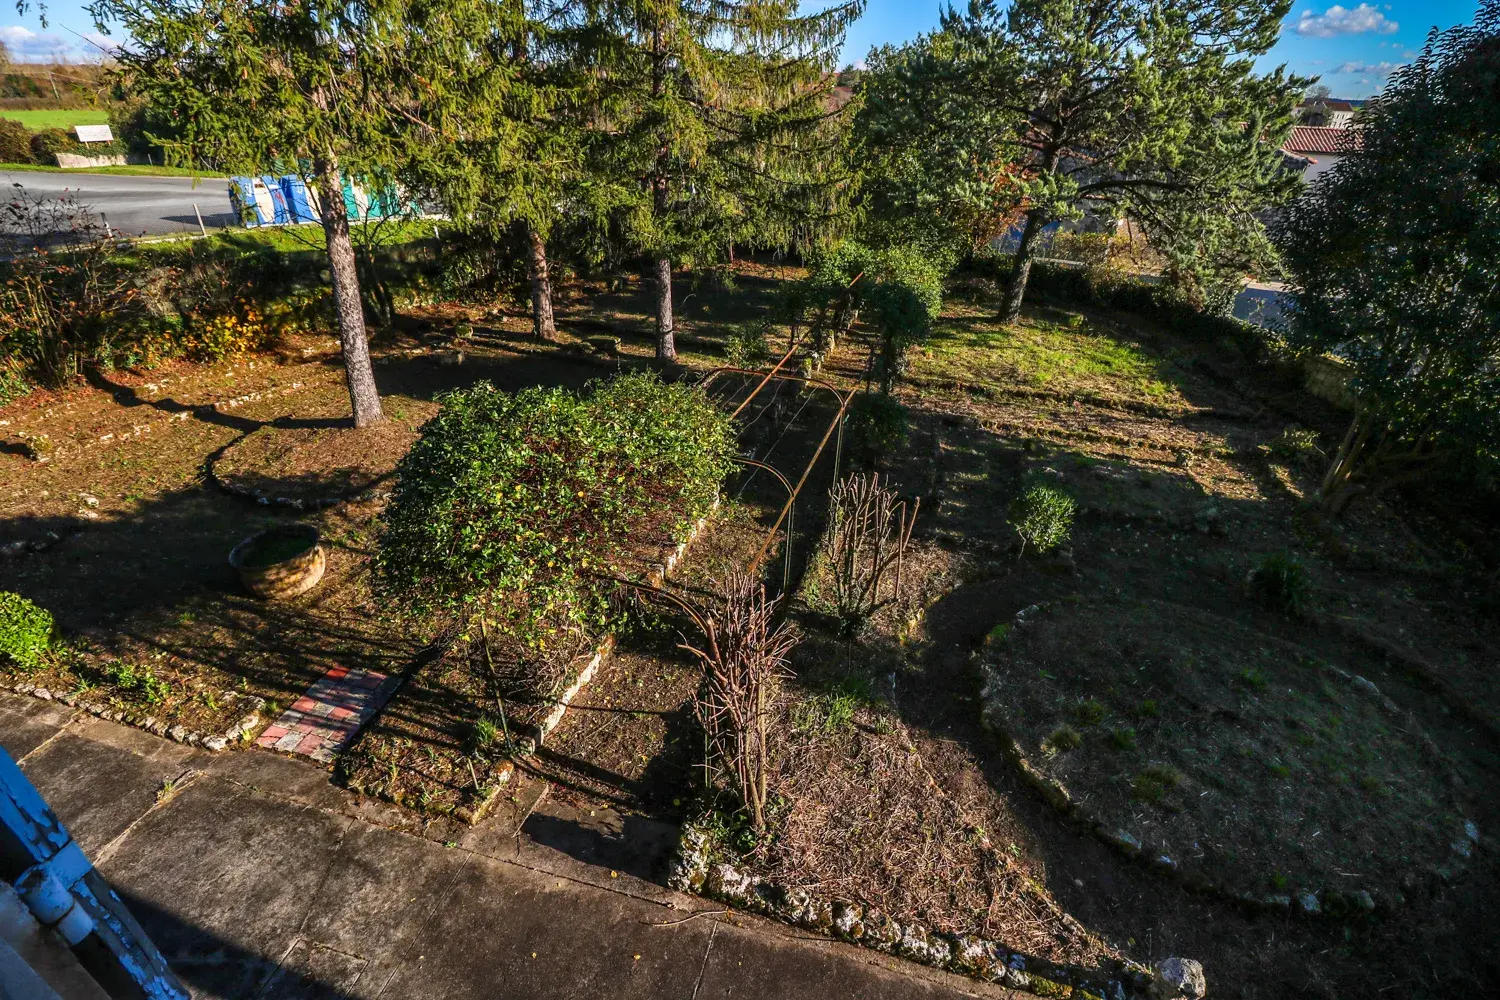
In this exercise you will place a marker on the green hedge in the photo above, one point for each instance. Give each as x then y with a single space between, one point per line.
516 504
234 292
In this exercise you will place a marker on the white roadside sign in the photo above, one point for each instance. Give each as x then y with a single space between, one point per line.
93 133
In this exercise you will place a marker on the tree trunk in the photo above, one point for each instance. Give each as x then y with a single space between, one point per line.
666 343
542 323
1020 271
1337 487
344 271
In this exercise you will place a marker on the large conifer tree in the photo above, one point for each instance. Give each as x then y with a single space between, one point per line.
360 90
1149 109
716 128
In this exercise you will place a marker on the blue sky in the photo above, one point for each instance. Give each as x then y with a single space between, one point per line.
1353 46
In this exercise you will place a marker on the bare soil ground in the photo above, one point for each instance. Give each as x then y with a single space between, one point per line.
1246 759
1171 448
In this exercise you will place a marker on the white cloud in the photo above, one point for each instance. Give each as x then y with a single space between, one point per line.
1380 69
1337 20
25 45
102 45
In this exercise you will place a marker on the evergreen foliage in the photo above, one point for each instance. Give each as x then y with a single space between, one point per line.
1394 261
1042 111
718 127
366 90
531 499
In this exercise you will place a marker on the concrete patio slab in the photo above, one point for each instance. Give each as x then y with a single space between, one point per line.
229 877
26 723
504 931
101 789
257 881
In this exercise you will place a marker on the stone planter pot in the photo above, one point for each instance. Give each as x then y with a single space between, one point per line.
280 562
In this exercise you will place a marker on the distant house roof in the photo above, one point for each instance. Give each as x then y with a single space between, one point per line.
1332 103
1323 139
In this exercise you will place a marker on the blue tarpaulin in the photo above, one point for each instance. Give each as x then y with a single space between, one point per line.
279 213
298 204
268 201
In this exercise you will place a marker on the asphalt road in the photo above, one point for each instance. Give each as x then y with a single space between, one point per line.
1259 303
134 205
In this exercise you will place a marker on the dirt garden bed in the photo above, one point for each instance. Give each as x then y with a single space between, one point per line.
452 736
1240 758
306 466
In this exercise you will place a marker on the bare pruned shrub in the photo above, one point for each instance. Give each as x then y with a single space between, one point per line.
744 656
864 549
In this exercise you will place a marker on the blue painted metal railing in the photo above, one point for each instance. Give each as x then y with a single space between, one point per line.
56 881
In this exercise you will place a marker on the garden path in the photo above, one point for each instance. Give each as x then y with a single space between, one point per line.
332 711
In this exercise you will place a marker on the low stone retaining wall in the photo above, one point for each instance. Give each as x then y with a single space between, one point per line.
74 161
694 870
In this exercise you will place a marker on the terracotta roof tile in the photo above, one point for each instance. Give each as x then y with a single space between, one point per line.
1323 139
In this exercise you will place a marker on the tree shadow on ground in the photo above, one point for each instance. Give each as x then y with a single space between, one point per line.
1138 535
210 965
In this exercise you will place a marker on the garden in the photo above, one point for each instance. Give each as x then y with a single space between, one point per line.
742 472
1065 619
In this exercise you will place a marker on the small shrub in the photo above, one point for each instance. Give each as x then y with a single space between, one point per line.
877 426
25 631
1147 709
485 733
744 655
230 336
749 345
1151 784
1297 446
1281 583
1062 739
1123 738
1043 517
15 142
825 714
1253 679
1090 712
857 570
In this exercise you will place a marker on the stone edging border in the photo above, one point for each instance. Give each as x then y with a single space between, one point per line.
289 503
180 734
694 871
1306 903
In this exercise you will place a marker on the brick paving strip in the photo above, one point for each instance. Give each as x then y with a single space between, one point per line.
330 713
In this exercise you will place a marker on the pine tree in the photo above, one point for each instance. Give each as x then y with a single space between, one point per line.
363 90
718 127
518 169
1132 108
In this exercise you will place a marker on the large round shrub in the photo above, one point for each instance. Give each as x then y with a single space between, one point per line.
526 500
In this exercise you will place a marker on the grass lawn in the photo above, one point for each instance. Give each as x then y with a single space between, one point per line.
129 170
52 118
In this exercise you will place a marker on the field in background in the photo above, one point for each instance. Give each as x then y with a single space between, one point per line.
54 118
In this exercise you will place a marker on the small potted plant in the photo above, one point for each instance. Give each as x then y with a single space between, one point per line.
280 562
